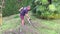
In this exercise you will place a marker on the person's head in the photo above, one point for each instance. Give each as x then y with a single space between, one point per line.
28 8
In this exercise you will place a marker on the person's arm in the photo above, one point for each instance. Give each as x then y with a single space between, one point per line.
27 16
20 8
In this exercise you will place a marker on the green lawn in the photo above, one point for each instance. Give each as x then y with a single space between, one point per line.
43 26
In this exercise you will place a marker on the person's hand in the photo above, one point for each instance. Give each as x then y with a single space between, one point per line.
29 18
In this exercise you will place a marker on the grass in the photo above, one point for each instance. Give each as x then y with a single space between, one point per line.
46 27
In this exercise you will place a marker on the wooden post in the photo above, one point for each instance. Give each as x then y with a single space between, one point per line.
1 7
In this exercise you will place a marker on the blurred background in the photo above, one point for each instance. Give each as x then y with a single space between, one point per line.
44 13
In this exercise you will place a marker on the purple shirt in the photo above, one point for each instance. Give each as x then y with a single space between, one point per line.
24 11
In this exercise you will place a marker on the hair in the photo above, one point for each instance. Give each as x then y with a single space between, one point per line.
28 7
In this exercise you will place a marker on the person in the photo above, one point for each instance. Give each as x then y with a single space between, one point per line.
24 12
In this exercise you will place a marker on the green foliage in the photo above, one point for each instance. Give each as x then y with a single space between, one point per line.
44 2
41 8
58 9
52 7
45 14
36 2
12 6
54 0
46 10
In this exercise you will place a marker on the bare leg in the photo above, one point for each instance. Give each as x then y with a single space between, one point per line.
22 26
22 22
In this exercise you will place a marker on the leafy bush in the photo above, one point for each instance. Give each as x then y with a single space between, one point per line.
46 10
44 2
41 8
52 7
58 9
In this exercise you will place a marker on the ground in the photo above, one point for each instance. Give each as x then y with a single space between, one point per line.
12 24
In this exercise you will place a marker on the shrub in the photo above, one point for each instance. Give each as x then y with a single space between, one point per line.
46 10
52 7
44 2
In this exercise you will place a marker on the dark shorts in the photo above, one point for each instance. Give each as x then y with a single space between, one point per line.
22 17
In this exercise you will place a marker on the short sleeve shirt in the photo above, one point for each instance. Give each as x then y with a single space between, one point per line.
24 11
